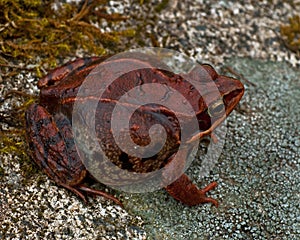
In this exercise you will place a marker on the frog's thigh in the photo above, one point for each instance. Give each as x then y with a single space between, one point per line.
48 147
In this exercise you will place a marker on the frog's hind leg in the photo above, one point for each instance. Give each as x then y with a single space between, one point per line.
45 143
52 147
188 193
76 185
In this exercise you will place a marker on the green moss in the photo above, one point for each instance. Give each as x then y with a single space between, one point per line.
291 33
13 142
161 6
12 130
33 32
33 29
2 172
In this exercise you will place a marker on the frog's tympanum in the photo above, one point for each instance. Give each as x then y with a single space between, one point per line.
49 124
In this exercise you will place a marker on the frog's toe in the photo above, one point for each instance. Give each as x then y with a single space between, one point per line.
99 193
76 191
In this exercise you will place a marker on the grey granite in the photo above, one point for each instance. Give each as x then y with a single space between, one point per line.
258 171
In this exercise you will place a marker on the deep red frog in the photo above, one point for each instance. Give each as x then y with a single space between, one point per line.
49 124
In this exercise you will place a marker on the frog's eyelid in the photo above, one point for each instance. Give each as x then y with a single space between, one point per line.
216 105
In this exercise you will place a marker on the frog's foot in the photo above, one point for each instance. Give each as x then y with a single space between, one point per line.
98 193
186 192
82 188
75 191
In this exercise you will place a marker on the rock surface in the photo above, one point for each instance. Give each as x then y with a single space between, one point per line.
258 171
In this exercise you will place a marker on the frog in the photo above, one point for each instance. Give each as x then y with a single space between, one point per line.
51 140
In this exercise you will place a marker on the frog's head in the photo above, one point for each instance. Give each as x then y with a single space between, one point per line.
219 96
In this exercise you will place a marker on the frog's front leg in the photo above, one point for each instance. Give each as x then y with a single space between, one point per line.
183 189
188 193
52 147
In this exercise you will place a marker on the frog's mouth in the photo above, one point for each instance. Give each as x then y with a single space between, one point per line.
208 131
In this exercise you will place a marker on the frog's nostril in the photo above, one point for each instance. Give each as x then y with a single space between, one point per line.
51 83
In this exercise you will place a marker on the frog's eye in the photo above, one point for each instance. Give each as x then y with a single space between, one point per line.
216 109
